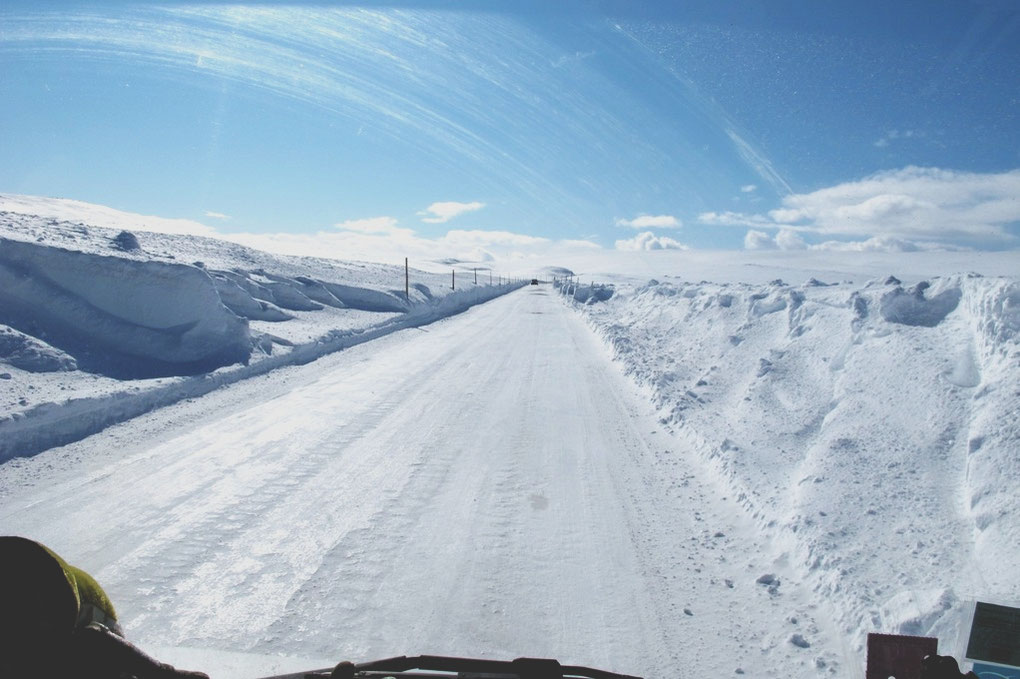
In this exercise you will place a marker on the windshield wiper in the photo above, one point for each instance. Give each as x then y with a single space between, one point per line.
440 667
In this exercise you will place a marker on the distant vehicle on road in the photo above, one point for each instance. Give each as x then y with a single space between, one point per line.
534 281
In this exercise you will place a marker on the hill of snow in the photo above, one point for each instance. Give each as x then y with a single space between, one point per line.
98 325
871 429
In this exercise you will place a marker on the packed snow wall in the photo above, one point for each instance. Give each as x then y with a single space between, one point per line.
118 316
869 430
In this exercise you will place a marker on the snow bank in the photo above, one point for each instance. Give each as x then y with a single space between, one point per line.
585 294
914 308
119 317
244 303
127 325
368 299
56 423
870 430
31 354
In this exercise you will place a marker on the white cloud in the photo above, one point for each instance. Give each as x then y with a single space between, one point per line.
735 219
887 244
749 188
913 204
651 222
893 135
758 240
438 213
481 255
875 244
788 239
217 215
649 241
478 238
381 225
582 244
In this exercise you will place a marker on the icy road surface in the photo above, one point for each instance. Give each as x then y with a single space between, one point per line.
487 485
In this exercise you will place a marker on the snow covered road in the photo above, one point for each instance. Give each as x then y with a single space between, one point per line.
486 485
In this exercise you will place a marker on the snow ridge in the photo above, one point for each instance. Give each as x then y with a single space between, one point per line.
120 317
870 430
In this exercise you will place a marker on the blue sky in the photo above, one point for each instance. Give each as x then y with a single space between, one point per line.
628 125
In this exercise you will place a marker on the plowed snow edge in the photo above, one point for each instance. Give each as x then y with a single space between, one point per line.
55 424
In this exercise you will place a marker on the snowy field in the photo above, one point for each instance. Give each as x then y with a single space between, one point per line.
740 467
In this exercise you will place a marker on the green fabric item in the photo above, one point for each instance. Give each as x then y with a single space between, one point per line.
87 592
86 589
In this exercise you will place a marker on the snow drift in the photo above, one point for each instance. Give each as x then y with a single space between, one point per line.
870 430
119 317
31 354
100 325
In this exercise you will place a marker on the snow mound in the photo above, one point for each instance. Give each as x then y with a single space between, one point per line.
763 304
260 295
316 291
31 354
285 292
914 308
877 450
997 310
917 613
367 299
243 303
585 294
119 317
125 240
